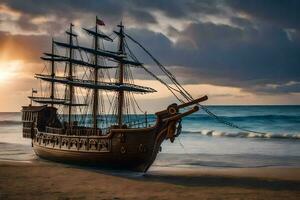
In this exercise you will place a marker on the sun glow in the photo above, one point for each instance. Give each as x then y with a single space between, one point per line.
8 69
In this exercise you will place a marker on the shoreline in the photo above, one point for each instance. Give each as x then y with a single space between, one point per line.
48 180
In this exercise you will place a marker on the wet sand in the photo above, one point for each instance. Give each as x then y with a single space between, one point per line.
46 180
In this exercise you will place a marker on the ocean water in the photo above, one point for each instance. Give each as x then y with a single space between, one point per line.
203 142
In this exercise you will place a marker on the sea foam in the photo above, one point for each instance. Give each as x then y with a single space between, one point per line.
215 133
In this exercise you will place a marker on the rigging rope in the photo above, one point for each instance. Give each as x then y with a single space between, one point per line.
170 88
182 90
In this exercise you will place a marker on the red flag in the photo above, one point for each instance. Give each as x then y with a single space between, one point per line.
100 22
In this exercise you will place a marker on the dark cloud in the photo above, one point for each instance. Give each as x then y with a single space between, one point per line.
25 24
242 22
111 11
260 45
244 55
276 12
141 11
225 55
180 8
290 87
142 17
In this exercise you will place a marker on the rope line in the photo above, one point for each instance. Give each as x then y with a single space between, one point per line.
183 91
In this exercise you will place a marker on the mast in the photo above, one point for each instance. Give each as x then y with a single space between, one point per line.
70 75
52 74
96 93
71 82
121 76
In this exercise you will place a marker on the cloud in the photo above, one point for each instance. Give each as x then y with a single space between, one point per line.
289 87
247 44
226 55
64 12
179 8
26 47
284 14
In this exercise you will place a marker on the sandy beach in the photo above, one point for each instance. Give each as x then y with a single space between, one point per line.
46 180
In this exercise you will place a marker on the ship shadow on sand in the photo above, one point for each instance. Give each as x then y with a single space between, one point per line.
160 175
199 180
223 181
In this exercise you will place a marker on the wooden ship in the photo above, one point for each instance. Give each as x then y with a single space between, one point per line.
84 128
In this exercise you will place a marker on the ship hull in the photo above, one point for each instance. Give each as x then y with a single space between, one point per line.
129 162
127 149
123 148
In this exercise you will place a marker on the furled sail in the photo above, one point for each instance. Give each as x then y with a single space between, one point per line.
105 37
48 100
99 85
58 58
103 53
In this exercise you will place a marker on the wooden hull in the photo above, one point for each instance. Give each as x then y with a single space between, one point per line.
131 149
133 162
122 148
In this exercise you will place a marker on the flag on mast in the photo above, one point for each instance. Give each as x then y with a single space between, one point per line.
100 22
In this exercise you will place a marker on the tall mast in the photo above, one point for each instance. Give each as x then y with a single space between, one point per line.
70 76
121 76
52 74
95 104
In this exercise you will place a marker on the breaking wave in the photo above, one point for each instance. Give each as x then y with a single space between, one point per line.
293 118
214 133
10 122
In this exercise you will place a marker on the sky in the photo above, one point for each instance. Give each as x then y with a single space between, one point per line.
238 52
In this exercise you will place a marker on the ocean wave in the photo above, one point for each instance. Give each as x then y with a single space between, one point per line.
10 122
214 133
295 118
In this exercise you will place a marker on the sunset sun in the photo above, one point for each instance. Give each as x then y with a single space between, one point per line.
8 69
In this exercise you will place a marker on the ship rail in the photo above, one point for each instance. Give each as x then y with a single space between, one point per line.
85 131
144 123
76 130
54 130
73 142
